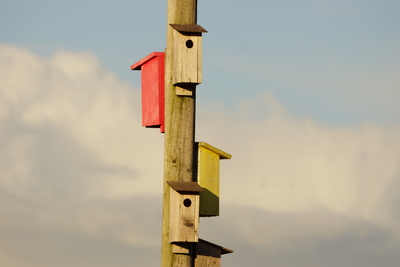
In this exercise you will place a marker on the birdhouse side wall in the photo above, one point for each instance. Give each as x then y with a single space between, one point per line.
153 93
209 180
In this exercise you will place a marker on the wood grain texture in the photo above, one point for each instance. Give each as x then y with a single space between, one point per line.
184 220
187 66
182 247
179 130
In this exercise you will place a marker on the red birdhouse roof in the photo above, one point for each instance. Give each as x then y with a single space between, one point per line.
138 65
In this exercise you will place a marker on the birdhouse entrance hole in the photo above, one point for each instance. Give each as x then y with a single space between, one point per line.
187 202
189 43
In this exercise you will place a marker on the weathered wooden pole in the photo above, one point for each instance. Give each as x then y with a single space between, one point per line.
179 129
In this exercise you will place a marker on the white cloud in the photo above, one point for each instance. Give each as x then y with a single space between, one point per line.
79 172
74 96
296 185
74 158
294 165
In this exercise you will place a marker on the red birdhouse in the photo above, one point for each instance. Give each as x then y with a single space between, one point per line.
152 68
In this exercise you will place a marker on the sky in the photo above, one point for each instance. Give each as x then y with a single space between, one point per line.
303 94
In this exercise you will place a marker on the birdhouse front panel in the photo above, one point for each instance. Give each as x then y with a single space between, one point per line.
152 69
184 212
187 57
208 176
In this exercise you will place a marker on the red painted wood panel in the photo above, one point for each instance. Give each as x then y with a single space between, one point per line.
152 68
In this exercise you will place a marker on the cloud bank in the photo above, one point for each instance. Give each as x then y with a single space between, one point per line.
305 194
80 180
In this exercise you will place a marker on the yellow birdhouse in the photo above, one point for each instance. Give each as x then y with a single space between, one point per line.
208 177
184 211
187 57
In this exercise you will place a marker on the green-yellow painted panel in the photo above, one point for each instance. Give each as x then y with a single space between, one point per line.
208 177
208 172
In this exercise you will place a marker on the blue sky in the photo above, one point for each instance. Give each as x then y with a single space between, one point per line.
303 94
318 57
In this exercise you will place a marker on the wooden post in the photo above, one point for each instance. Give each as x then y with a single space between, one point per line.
179 129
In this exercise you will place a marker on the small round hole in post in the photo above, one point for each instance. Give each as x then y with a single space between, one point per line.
187 202
189 43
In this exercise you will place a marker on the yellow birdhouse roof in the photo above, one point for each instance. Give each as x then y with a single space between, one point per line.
222 154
